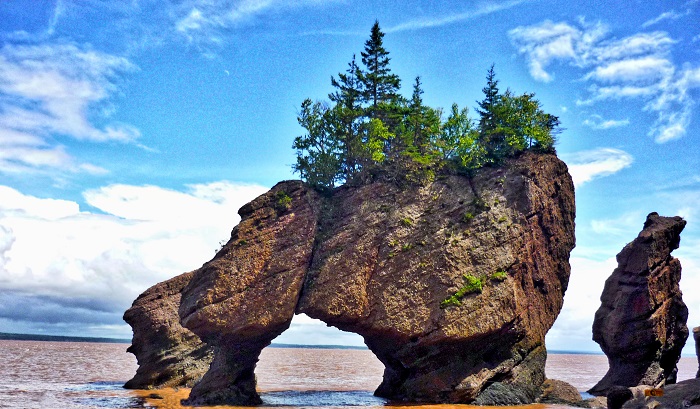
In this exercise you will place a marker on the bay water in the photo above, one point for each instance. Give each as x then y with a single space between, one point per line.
61 375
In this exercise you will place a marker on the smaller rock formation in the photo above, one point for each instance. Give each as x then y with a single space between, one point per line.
168 354
696 335
559 392
618 396
685 394
641 323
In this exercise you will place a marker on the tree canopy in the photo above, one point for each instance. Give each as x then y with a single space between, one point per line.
369 129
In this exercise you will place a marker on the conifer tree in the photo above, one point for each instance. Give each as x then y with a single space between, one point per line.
423 122
379 84
348 113
490 138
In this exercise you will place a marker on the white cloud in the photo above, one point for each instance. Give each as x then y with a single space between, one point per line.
645 69
205 21
668 15
598 122
50 91
637 66
573 328
626 225
589 165
84 260
481 10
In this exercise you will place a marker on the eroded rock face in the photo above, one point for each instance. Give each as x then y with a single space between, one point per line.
388 258
246 296
393 264
168 354
641 323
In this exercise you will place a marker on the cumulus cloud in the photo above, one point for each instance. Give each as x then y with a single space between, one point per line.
50 91
586 166
55 256
636 66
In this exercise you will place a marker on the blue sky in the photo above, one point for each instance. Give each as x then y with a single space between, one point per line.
131 131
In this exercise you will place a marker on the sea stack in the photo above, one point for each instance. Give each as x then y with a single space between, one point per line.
641 323
453 283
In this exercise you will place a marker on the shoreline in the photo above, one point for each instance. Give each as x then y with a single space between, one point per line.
6 336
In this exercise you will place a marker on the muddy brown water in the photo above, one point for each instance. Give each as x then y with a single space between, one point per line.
61 375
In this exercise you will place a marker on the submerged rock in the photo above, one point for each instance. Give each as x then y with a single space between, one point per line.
641 323
453 284
168 354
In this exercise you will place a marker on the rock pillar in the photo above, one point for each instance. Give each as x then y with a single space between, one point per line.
641 323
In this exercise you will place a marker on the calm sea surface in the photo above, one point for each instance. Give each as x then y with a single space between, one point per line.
60 375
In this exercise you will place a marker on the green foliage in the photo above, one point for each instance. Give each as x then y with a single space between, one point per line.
467 217
499 275
471 285
378 83
407 222
318 152
283 201
372 131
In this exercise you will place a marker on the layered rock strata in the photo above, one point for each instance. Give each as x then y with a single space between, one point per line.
168 354
641 323
452 284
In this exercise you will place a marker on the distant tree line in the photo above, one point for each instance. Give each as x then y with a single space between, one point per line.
369 129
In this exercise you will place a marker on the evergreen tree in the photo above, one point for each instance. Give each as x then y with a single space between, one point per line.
348 114
422 123
379 84
371 130
490 138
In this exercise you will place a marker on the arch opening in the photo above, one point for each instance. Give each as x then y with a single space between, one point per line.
312 364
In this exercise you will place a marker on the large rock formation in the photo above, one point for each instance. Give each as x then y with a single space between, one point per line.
452 284
641 323
168 354
389 258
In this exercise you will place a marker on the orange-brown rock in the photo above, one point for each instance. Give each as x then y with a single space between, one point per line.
641 323
389 259
453 284
247 295
168 354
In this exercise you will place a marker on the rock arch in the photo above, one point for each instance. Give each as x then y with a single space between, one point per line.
452 284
